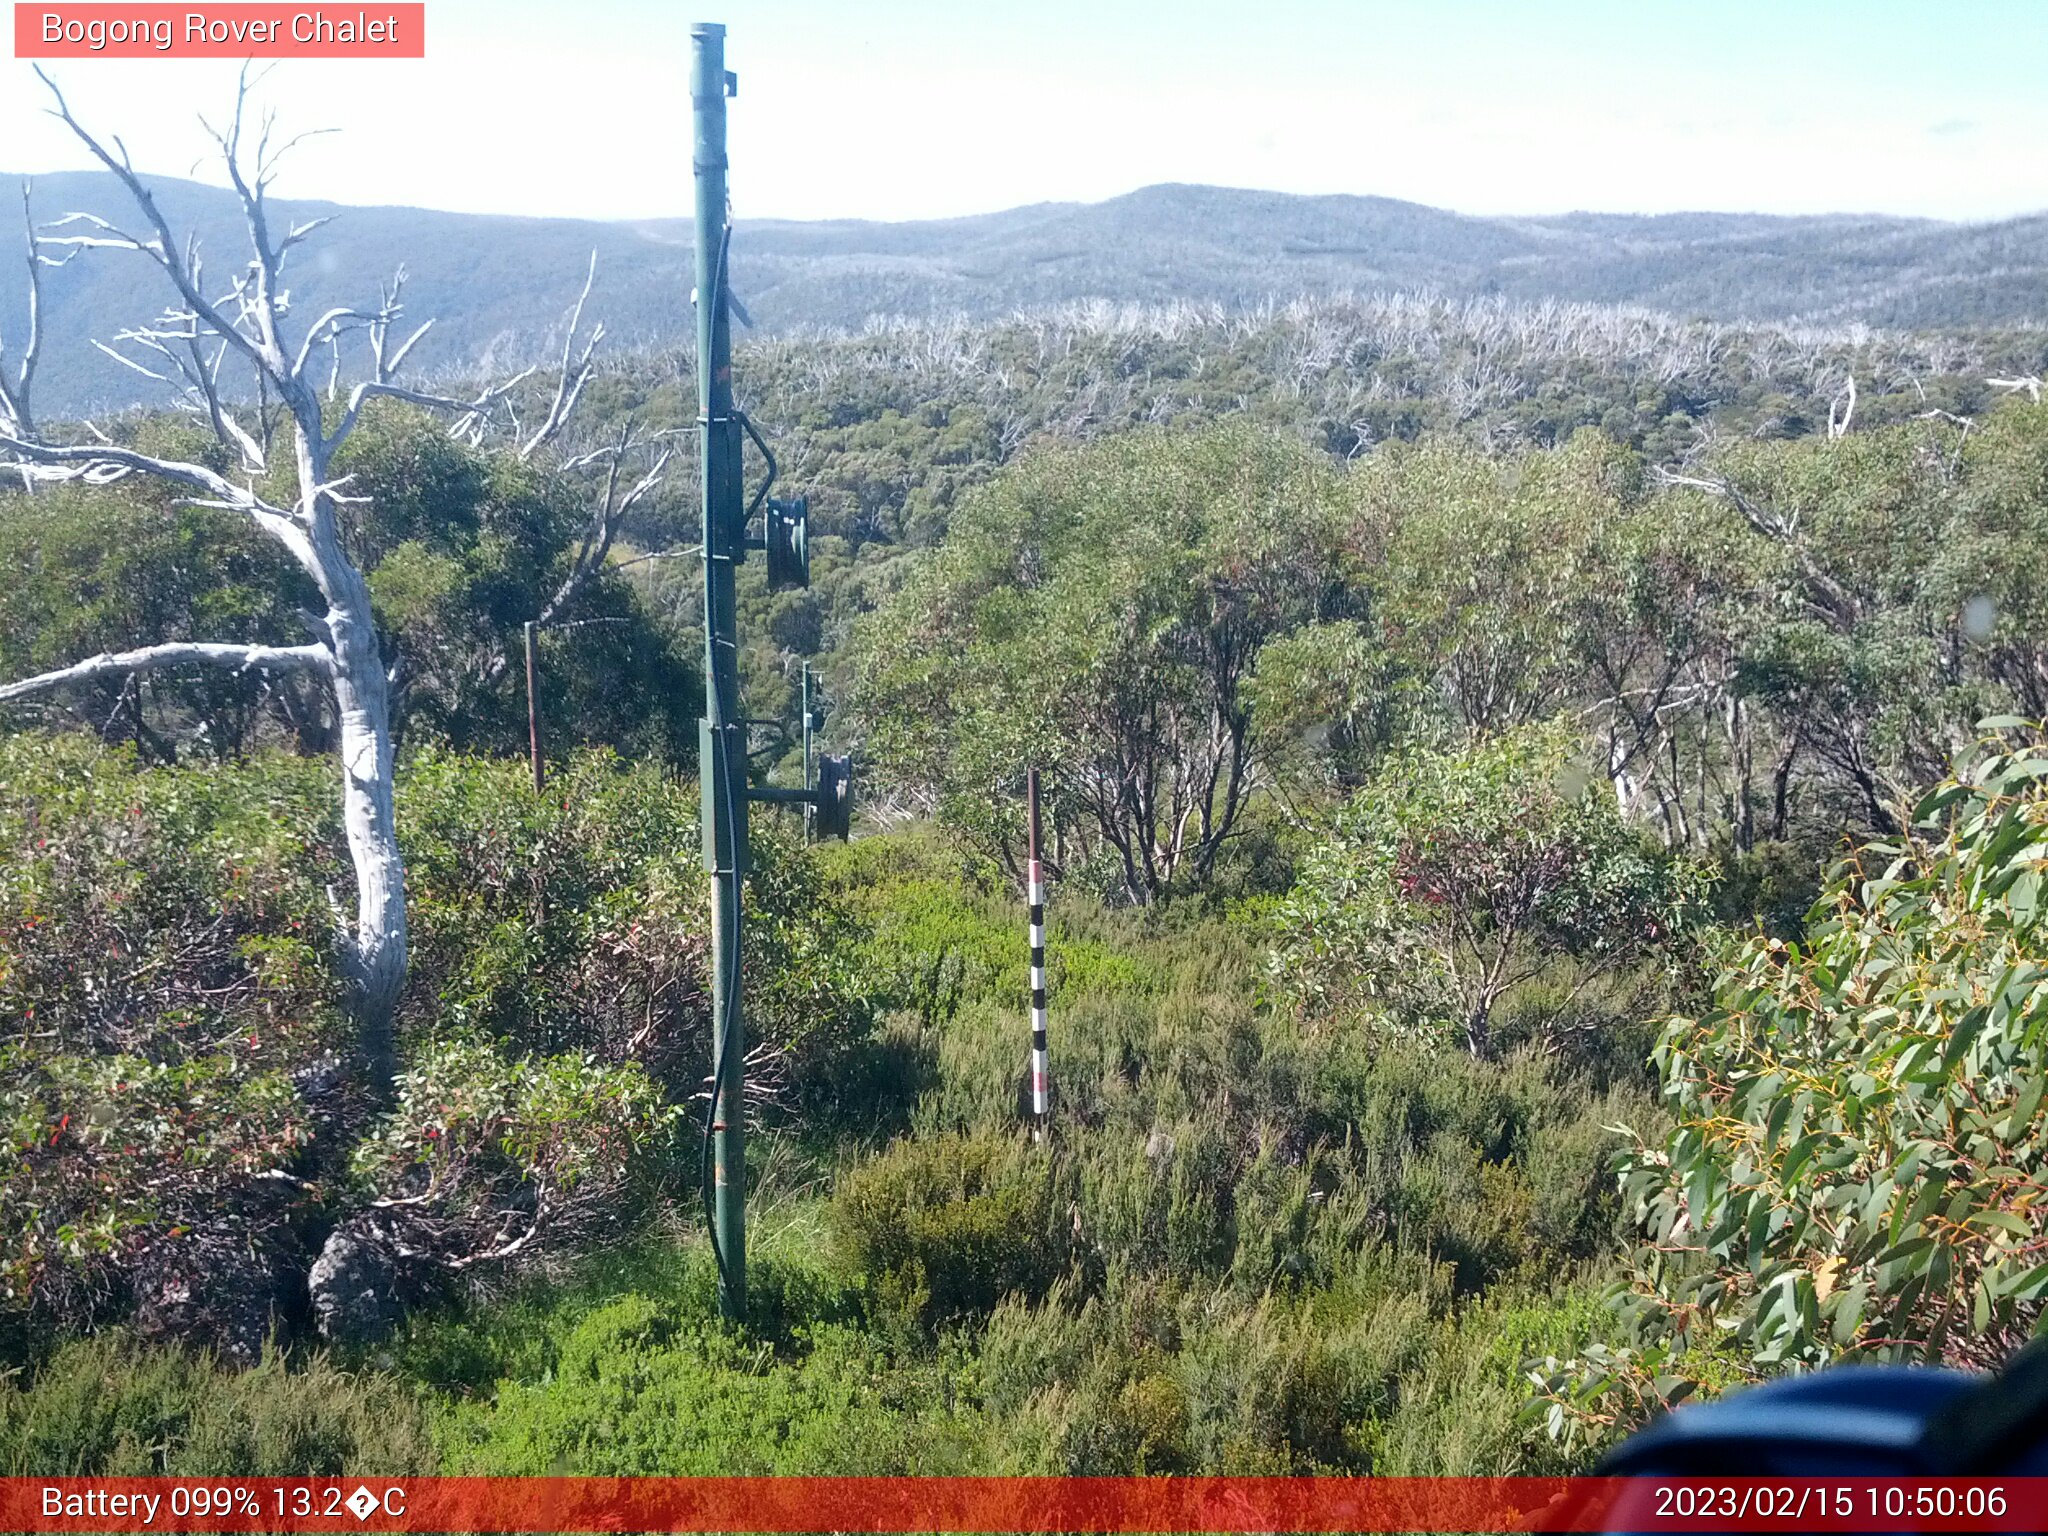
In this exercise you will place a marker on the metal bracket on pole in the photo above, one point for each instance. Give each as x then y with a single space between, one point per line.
714 771
828 803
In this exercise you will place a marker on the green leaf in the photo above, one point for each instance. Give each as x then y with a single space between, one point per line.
2026 1107
2003 1221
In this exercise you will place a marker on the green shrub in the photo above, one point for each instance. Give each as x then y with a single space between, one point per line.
107 1407
163 941
945 1229
577 921
1454 876
574 920
639 1391
1160 1375
1462 1409
181 1115
515 1158
1159 1202
1498 1168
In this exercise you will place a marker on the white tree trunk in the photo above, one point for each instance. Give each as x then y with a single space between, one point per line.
378 953
362 701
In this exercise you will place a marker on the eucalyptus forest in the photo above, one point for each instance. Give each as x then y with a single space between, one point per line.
1545 810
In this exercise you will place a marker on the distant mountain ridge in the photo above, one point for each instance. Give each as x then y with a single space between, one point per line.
497 285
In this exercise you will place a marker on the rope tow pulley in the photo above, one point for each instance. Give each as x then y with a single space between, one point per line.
833 807
830 799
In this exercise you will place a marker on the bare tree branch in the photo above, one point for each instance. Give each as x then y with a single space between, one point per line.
1845 404
470 415
1830 596
607 516
151 658
16 415
103 463
573 375
605 522
163 248
660 554
1966 426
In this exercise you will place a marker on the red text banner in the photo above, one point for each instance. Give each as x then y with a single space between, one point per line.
235 31
1050 1504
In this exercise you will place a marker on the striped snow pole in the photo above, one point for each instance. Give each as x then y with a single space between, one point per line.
1035 883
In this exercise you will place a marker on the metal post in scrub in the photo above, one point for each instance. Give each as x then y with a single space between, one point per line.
1034 880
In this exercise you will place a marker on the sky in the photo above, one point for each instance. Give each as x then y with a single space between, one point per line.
898 109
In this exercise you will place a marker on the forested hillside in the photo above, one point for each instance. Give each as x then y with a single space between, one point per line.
1521 781
887 432
497 284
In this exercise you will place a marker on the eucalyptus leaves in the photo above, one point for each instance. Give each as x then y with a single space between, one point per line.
1859 1153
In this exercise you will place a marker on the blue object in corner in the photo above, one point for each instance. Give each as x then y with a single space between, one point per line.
1868 1420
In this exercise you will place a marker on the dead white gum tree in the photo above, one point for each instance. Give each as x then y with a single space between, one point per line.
210 336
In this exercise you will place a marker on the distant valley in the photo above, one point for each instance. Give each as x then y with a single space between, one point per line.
497 286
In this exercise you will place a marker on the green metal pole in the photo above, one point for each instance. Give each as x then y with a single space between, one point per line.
721 739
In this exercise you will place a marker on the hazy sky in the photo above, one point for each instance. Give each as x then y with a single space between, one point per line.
918 108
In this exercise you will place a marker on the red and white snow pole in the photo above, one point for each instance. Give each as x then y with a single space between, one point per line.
1035 894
